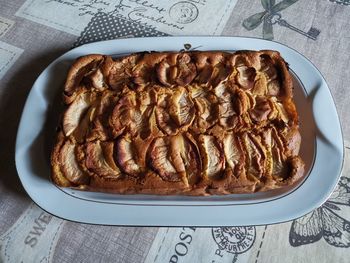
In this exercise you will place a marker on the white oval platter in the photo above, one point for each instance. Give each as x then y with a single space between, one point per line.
322 149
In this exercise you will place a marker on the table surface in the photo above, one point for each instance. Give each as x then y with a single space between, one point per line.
35 32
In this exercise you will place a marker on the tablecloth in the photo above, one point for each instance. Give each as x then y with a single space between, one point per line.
35 32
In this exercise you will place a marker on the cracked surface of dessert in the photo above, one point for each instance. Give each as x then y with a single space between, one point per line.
193 123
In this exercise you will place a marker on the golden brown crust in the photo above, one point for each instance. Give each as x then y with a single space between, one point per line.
194 123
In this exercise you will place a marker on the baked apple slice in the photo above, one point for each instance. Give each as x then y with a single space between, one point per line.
228 112
67 169
212 156
99 159
133 113
255 156
207 109
131 154
234 153
175 158
76 111
175 111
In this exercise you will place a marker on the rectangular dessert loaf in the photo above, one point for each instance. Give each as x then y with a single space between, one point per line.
194 123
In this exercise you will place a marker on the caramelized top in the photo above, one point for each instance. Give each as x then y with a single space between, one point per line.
179 123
